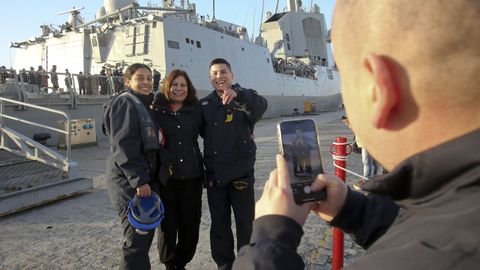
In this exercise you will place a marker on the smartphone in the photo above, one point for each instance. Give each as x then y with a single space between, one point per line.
299 144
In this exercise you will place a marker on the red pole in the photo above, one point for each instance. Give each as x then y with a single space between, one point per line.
338 241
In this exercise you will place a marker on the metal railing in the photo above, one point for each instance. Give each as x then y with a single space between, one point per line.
29 148
43 82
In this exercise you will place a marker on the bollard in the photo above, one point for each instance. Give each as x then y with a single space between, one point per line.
340 159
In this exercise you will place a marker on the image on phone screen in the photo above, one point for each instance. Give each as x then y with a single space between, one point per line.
301 150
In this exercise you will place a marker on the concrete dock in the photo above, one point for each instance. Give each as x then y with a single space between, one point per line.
84 232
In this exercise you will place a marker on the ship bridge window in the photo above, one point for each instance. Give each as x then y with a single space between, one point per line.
154 25
191 41
275 17
330 74
187 40
312 28
243 49
199 45
173 44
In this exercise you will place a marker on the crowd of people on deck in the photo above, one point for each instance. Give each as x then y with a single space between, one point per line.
109 81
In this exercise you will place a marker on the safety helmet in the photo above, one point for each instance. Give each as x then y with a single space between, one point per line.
145 213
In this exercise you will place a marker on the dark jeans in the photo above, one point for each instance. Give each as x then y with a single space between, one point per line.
183 209
135 247
220 201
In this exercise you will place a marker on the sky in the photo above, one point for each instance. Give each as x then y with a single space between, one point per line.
21 20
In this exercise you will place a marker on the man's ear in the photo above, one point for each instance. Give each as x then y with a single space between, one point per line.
384 93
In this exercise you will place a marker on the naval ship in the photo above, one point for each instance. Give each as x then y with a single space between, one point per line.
290 62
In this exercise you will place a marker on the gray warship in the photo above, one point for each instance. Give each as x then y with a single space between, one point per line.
290 62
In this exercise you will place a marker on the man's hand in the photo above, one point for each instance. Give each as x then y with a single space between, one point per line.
228 95
144 191
336 195
277 197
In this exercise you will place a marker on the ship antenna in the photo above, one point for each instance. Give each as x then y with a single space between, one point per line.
276 7
75 12
261 20
253 28
213 10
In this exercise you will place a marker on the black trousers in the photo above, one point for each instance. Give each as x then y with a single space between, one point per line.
135 246
183 209
220 201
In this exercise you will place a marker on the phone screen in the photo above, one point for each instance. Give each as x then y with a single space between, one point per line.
299 142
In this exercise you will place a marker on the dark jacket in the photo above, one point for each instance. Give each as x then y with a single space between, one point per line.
181 130
438 226
229 148
128 166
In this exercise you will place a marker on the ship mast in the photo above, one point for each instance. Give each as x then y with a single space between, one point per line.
291 5
261 20
213 18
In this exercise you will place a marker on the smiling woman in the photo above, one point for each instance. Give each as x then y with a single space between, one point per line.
179 116
138 77
178 89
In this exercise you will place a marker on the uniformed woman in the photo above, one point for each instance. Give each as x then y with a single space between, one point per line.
132 165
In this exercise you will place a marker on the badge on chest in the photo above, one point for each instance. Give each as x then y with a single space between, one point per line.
229 115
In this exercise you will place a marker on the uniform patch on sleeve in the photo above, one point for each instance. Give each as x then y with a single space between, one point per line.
205 103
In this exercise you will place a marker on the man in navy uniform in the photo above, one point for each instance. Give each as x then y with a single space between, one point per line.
229 114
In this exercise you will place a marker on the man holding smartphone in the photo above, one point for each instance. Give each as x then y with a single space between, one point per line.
229 115
410 87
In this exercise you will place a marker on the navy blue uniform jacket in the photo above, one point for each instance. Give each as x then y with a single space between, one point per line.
127 165
229 148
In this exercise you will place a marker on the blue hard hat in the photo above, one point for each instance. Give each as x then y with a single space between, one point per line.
146 213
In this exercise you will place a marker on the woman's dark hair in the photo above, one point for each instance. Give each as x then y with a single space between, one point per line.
191 92
132 69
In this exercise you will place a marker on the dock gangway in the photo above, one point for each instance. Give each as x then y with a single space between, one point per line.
32 173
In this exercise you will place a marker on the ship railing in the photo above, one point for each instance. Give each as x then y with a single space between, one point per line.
59 83
29 148
26 83
88 85
40 81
